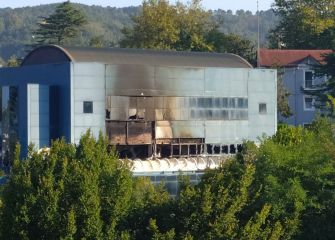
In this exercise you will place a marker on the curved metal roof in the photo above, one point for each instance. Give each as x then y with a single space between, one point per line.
57 54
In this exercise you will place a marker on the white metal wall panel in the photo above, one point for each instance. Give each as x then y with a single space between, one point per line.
88 85
38 115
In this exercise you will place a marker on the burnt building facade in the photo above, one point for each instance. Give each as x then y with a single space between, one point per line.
148 103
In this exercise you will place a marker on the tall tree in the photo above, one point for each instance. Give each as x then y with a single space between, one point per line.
73 192
308 24
297 171
161 25
60 26
154 28
194 24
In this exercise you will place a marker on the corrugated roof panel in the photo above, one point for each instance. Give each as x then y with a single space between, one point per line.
57 54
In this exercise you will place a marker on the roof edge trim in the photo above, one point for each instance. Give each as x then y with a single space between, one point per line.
67 54
243 59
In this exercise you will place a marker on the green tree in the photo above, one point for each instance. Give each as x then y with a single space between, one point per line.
161 25
304 24
232 43
61 26
194 23
324 92
97 42
296 171
73 192
283 107
155 28
219 207
13 61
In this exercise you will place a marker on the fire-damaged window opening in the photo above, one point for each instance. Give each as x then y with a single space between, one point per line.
216 149
138 139
176 108
224 149
142 126
178 147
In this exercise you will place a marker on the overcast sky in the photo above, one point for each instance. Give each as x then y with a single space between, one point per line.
208 4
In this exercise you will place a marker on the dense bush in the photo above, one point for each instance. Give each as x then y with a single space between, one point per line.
283 189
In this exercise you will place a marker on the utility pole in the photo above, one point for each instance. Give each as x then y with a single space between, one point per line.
258 55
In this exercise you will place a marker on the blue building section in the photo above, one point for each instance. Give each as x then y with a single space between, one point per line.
296 70
40 109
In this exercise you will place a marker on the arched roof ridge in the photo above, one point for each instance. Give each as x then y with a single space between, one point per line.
62 49
47 54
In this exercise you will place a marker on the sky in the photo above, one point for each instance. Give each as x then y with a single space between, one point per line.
207 4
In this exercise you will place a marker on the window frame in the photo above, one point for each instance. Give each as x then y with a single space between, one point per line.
307 125
307 71
91 107
305 107
259 108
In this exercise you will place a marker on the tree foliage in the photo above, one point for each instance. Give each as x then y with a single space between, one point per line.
156 27
232 43
219 207
161 25
324 92
283 189
74 192
13 61
296 169
283 107
17 25
61 26
84 192
304 24
180 27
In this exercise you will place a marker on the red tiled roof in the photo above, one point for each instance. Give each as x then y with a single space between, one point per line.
276 57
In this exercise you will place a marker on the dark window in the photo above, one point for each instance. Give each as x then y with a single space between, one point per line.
208 103
224 115
218 108
309 103
224 102
193 102
240 103
308 79
232 103
209 114
218 102
88 107
201 103
262 108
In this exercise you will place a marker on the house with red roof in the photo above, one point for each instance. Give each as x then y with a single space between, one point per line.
297 67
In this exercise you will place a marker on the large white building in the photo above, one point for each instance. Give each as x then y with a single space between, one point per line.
149 103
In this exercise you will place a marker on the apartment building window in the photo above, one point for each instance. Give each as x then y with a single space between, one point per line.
309 79
308 103
307 125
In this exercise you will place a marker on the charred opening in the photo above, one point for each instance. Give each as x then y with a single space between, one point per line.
163 127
